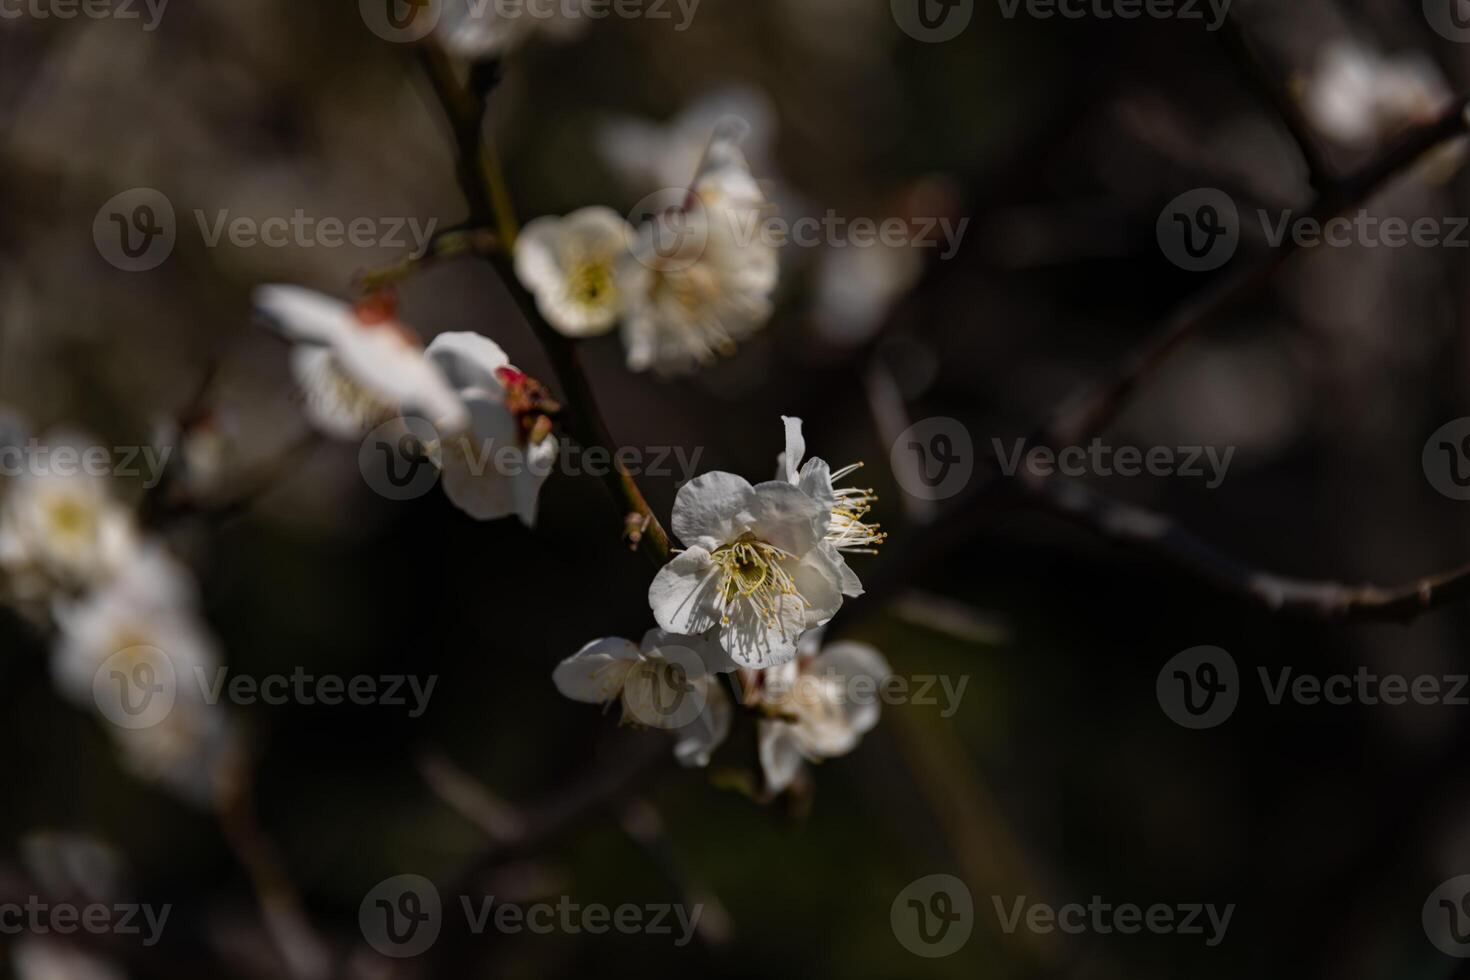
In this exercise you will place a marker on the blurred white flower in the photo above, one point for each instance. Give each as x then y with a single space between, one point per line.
45 959
708 271
846 530
651 154
820 705
60 527
1356 95
857 289
357 365
670 682
498 467
144 627
756 570
575 268
489 28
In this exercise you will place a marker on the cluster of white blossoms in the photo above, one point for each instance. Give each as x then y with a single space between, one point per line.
686 287
359 367
124 611
762 572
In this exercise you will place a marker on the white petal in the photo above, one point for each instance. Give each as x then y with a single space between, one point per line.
705 509
328 405
304 314
381 360
551 252
847 580
854 660
782 515
780 754
758 644
789 463
699 739
716 660
819 584
596 673
682 595
489 475
815 481
468 360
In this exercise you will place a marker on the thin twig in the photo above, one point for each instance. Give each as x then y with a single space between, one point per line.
484 186
1165 539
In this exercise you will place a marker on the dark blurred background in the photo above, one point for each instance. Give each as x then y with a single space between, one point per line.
1059 777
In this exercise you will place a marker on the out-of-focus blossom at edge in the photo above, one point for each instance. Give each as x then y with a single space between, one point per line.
659 683
1356 95
821 704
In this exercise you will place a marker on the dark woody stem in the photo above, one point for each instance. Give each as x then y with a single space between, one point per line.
483 183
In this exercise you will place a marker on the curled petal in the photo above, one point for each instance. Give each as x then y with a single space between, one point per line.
596 673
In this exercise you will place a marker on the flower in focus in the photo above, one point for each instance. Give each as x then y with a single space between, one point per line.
670 682
60 527
139 638
576 267
489 28
819 707
498 467
755 569
1356 95
708 274
846 530
357 366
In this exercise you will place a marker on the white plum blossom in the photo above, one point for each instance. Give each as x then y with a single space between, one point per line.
143 628
708 273
846 529
490 28
819 706
577 268
357 366
756 571
669 682
61 529
497 468
650 154
1357 95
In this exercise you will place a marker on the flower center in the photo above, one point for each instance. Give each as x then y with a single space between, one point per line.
340 391
591 283
752 571
69 517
